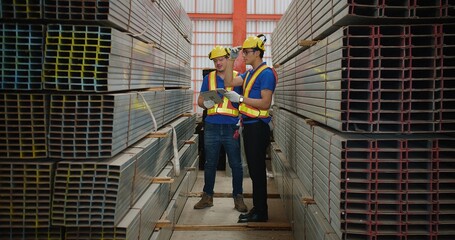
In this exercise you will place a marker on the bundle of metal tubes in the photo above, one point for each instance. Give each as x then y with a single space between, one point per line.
364 118
92 94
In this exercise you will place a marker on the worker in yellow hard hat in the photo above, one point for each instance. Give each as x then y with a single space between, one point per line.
220 129
258 86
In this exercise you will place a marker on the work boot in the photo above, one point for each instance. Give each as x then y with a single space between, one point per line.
206 201
239 204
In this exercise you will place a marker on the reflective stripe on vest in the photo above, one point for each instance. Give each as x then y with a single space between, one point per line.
248 110
225 107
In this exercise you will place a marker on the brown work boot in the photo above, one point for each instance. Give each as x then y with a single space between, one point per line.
206 201
239 204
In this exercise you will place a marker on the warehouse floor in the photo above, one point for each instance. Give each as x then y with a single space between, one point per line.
220 221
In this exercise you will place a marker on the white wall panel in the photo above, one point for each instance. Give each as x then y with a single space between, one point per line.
204 26
224 26
205 6
206 38
224 6
263 6
267 6
224 39
188 5
208 6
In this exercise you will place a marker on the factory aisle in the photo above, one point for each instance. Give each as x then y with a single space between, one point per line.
220 221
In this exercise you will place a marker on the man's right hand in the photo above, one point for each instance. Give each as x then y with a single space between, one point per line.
209 104
234 52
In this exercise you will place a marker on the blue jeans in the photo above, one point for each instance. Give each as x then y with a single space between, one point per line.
216 135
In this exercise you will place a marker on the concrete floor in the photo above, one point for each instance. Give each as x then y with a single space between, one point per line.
220 221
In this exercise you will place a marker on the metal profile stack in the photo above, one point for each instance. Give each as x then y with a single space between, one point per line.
100 126
188 154
102 59
317 19
145 21
175 15
137 224
363 116
179 188
385 78
88 76
49 233
25 194
27 10
22 56
178 101
115 12
93 193
100 193
93 126
86 58
375 185
139 18
23 125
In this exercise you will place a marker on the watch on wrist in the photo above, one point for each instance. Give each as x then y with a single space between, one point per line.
241 99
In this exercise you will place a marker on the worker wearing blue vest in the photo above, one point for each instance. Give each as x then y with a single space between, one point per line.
220 128
258 86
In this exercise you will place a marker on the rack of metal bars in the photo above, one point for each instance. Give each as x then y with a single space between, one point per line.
382 78
372 185
23 125
100 193
315 20
141 218
363 116
85 83
21 52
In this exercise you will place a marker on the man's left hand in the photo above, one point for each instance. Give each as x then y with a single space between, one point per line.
232 96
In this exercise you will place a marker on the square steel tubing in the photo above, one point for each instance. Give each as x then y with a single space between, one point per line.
169 216
376 184
41 233
147 66
93 193
150 160
318 19
359 87
100 126
277 167
177 102
143 20
21 50
86 58
149 208
23 124
23 9
102 11
25 194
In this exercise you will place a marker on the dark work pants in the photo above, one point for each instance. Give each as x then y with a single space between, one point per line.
256 137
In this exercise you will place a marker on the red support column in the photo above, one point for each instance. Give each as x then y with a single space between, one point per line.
239 30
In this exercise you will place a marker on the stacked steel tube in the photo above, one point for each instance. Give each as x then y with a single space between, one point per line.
364 118
372 185
84 85
139 221
383 78
311 20
22 56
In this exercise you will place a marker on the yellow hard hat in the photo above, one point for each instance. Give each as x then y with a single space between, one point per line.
255 42
219 51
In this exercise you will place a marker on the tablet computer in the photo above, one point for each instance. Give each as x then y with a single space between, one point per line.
212 95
